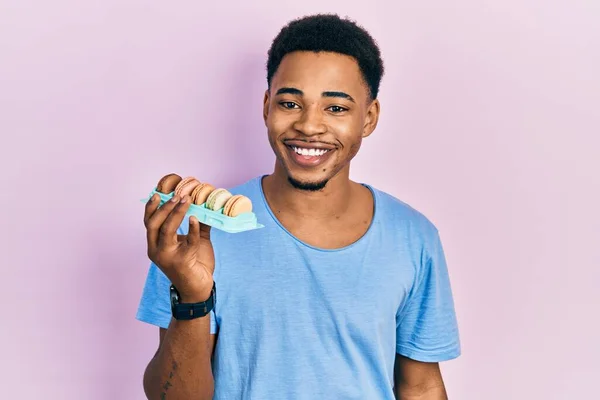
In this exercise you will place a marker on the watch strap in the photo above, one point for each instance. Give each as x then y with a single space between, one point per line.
188 311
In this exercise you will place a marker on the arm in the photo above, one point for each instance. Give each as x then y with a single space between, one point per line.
181 367
426 328
415 380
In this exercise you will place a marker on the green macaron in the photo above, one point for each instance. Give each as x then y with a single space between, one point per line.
217 199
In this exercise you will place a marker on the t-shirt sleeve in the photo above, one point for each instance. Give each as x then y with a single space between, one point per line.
426 326
155 305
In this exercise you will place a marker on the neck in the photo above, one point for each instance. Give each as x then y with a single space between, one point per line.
327 203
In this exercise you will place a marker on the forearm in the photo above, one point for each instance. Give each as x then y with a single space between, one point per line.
437 392
181 369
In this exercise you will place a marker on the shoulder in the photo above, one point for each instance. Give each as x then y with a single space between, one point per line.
397 215
249 188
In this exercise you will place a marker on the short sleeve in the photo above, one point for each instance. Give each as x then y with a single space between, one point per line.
426 326
155 305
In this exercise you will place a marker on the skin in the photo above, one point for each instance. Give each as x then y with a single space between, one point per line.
181 367
340 212
313 97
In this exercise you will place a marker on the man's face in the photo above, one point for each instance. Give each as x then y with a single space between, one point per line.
317 112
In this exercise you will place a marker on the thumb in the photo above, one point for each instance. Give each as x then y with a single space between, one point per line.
204 231
193 236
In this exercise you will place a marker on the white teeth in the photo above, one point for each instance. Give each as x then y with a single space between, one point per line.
310 152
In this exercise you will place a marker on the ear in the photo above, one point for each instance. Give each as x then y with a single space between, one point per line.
372 118
266 106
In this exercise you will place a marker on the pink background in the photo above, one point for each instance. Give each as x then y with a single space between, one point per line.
489 126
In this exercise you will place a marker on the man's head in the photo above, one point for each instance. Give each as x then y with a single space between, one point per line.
323 75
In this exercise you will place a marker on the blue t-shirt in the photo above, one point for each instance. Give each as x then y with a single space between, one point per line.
297 322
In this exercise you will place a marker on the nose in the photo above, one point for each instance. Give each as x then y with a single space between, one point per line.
310 121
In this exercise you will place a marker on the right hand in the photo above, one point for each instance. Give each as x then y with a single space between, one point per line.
187 260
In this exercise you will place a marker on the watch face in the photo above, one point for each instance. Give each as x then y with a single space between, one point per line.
174 298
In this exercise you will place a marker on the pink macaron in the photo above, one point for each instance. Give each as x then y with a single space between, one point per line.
186 186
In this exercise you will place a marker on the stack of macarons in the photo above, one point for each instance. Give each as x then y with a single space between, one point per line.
215 199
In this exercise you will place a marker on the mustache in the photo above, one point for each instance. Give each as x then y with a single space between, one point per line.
309 141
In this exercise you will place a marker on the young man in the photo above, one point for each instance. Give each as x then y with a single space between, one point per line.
344 294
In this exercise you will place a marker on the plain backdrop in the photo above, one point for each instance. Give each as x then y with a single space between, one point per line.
490 126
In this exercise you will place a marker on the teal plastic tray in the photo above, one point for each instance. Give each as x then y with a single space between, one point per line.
216 219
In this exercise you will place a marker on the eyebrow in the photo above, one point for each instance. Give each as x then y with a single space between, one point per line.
298 92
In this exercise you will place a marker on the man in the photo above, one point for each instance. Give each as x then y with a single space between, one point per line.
344 294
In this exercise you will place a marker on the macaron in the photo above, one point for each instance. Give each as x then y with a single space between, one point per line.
168 183
201 192
217 199
236 205
186 186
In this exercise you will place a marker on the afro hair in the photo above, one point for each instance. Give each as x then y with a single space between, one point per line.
329 33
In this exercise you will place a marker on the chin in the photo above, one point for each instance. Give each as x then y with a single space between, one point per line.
309 186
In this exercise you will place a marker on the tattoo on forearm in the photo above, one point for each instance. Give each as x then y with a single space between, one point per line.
168 383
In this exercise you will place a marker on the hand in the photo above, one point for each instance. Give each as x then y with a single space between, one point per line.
187 260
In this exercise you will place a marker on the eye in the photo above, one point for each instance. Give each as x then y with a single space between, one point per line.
290 105
337 109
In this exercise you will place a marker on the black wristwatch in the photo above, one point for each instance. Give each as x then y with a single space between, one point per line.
187 311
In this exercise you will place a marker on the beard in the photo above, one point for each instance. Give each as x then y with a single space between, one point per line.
307 186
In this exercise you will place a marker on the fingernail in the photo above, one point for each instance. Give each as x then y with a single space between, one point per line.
183 199
175 199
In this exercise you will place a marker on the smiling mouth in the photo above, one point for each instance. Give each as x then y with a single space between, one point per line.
308 155
308 152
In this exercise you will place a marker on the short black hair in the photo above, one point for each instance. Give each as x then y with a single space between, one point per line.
329 33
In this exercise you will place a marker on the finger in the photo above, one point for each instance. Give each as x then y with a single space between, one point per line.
193 236
156 217
150 208
168 230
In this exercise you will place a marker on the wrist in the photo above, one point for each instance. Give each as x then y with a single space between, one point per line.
198 296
